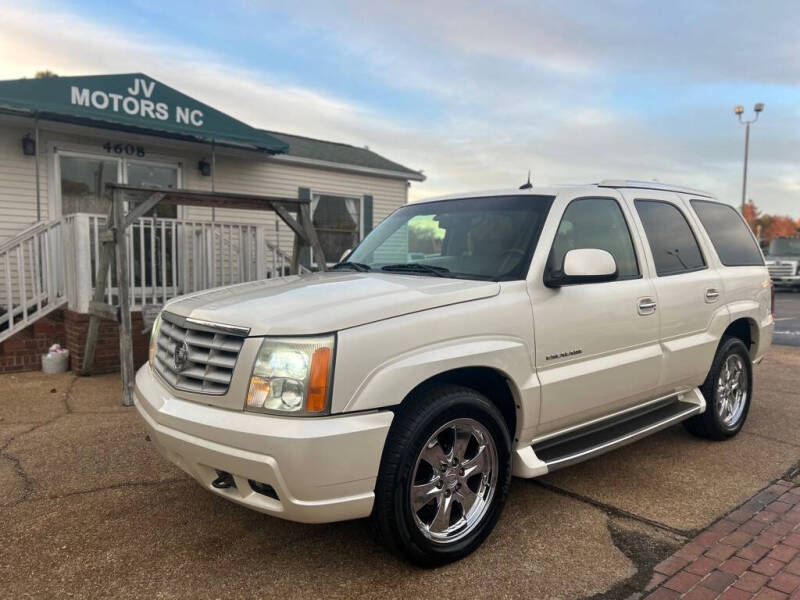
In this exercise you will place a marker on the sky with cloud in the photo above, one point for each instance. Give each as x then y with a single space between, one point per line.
473 93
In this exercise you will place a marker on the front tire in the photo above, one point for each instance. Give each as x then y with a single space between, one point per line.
444 476
727 390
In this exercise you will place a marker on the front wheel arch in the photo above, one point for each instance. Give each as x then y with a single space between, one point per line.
497 386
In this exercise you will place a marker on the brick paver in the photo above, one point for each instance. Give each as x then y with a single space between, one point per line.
754 552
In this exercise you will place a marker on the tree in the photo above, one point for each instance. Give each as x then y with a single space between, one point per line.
751 214
46 74
780 226
767 226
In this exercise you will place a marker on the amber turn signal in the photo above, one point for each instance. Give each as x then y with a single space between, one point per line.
318 381
259 391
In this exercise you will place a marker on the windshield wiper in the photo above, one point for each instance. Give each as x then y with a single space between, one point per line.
416 268
356 266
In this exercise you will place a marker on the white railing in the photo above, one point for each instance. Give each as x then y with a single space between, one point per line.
50 264
32 283
170 257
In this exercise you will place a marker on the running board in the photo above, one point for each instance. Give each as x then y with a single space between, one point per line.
586 442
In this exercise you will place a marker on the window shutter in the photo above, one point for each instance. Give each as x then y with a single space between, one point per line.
367 215
304 255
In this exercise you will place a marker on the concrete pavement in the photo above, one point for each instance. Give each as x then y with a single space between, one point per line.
89 509
787 318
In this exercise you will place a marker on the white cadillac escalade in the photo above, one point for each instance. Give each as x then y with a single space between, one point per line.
465 340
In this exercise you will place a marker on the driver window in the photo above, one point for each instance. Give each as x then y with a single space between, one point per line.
595 223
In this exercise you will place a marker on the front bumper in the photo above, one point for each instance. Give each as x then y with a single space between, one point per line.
786 280
323 469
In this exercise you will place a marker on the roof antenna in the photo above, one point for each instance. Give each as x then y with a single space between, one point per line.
527 185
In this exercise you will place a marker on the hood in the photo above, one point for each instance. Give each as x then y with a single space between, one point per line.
325 302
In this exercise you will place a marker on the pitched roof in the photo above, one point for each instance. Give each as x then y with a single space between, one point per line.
136 102
344 154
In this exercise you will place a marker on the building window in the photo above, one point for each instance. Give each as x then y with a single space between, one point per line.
337 220
83 182
157 176
84 177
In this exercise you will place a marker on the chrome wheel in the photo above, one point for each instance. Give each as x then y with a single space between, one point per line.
731 391
454 480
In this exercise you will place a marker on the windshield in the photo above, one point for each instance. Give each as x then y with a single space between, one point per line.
473 238
784 247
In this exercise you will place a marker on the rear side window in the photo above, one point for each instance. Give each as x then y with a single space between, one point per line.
672 242
729 233
595 223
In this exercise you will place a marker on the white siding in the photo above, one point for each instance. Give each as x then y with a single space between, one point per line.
236 172
18 183
271 178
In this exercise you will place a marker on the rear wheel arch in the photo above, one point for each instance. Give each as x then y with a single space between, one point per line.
745 329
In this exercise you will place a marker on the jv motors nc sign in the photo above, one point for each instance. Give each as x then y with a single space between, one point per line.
130 101
137 100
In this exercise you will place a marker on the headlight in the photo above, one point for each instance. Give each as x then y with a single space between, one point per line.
151 355
292 375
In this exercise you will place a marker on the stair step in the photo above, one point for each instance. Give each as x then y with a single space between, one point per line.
580 444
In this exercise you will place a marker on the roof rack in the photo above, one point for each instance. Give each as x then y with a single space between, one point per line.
651 185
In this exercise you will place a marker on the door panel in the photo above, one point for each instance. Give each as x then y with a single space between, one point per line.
690 325
597 344
690 297
619 358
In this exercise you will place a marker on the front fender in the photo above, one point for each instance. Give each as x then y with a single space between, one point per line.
379 364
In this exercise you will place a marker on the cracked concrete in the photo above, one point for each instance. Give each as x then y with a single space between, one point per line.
89 509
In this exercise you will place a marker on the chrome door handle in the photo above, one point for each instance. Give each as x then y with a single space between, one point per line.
646 306
711 295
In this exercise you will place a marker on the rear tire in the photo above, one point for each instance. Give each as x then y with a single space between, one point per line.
444 476
727 389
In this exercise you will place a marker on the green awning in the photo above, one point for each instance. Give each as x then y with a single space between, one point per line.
131 102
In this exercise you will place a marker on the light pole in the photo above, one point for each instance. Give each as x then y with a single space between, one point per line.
739 110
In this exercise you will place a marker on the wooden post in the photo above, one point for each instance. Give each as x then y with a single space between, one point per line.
101 278
261 256
313 241
123 290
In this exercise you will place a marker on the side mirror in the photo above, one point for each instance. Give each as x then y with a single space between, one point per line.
584 265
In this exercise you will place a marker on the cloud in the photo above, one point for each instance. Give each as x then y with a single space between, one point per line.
574 91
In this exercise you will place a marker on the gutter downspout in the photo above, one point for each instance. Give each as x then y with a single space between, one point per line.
213 176
36 162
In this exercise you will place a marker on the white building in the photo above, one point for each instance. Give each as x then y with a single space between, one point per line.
62 139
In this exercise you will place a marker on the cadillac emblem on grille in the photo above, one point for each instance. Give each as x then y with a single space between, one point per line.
181 356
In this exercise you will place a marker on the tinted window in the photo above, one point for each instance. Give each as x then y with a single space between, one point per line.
784 247
473 238
674 247
729 233
595 223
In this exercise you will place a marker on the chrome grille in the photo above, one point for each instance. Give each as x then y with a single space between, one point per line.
783 269
208 359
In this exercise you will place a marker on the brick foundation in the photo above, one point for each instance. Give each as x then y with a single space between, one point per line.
22 352
106 356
